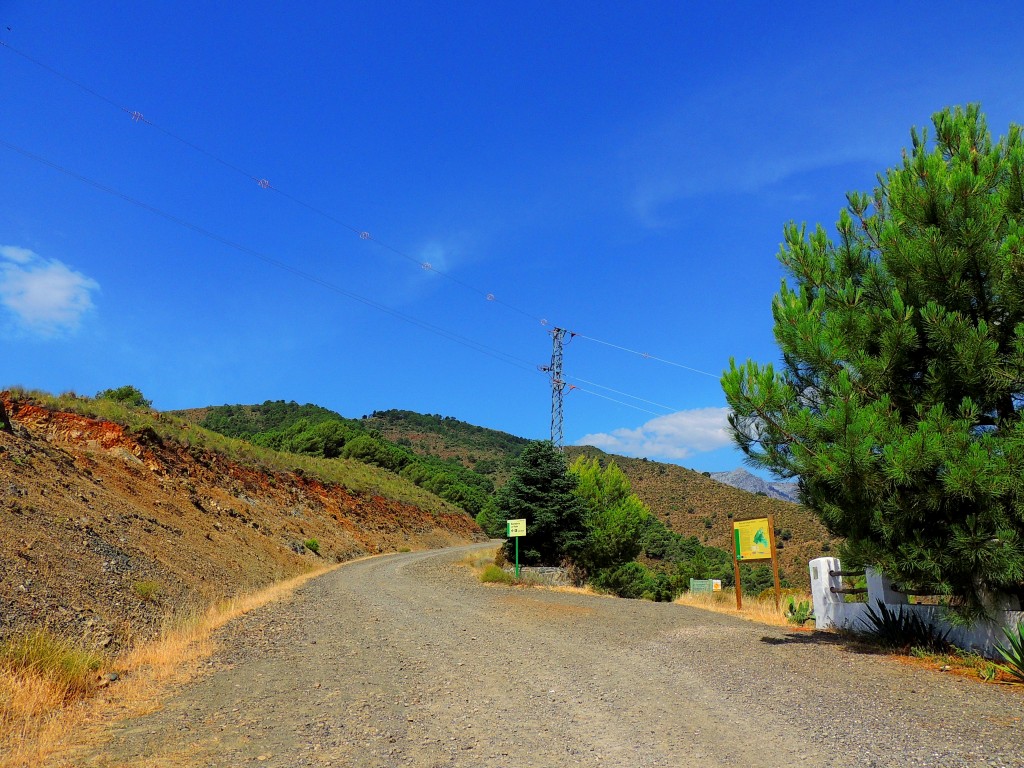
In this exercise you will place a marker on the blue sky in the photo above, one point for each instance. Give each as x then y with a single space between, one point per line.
620 170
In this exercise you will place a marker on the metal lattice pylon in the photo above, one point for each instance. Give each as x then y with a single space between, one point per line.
557 387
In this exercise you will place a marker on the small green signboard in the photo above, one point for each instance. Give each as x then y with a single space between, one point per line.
701 586
514 529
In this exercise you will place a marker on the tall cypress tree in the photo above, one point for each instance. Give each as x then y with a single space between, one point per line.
898 403
540 491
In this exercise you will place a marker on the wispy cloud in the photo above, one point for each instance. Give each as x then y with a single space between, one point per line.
741 139
674 436
45 296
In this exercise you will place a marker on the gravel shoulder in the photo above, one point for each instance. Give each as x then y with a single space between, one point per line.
407 660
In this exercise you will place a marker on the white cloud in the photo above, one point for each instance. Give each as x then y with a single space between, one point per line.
16 254
674 436
45 295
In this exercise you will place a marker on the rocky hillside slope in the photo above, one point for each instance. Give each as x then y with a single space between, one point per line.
105 530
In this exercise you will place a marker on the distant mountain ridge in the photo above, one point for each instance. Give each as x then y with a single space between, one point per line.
745 481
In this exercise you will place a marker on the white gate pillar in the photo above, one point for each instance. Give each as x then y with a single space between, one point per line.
822 596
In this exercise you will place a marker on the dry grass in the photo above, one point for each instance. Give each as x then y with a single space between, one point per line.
479 560
761 610
44 717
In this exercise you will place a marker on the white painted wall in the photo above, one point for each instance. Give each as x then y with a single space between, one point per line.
830 611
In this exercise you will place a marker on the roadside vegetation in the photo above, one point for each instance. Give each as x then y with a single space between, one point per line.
309 430
145 424
586 518
55 694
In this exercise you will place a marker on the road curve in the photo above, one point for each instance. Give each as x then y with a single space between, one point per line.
407 660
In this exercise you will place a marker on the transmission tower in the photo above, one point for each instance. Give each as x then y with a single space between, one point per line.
557 385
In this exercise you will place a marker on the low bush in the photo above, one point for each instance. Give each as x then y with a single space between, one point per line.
494 575
635 581
60 661
313 545
147 590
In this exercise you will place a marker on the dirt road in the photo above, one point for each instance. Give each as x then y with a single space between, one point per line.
407 660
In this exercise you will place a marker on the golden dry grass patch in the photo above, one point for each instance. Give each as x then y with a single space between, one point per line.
758 610
41 725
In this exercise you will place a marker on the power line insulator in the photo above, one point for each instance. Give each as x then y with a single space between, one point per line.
263 184
364 235
427 266
543 321
137 117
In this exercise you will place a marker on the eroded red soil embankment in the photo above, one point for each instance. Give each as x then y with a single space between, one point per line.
104 532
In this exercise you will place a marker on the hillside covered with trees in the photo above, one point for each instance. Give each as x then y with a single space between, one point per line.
690 513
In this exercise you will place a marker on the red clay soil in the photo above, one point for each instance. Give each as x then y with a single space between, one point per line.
103 534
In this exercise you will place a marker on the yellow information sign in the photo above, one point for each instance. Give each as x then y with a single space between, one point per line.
516 528
753 539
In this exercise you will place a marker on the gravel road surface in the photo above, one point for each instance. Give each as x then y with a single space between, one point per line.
407 660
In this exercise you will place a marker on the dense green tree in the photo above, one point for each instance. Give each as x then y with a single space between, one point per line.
127 395
898 404
615 518
490 520
540 491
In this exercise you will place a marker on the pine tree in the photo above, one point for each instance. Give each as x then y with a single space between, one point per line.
616 518
540 491
899 400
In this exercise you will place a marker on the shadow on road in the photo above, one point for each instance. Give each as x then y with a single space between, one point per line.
853 644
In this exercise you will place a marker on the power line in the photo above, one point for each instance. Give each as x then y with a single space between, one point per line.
476 346
646 355
669 408
265 184
479 347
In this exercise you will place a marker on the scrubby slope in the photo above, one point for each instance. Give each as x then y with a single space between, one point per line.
693 504
96 515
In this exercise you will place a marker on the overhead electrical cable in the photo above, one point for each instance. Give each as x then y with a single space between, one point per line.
620 402
669 408
645 355
265 184
476 346
479 347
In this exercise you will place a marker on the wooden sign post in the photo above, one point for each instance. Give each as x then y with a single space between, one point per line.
755 540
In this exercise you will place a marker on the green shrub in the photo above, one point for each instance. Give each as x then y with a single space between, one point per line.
635 581
900 628
1014 654
147 590
494 575
799 614
312 545
127 395
54 658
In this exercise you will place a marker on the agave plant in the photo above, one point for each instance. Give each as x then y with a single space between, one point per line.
1014 655
900 628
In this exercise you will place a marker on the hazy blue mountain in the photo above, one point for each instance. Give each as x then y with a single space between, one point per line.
740 478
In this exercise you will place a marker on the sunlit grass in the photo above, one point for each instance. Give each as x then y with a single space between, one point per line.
760 609
48 706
